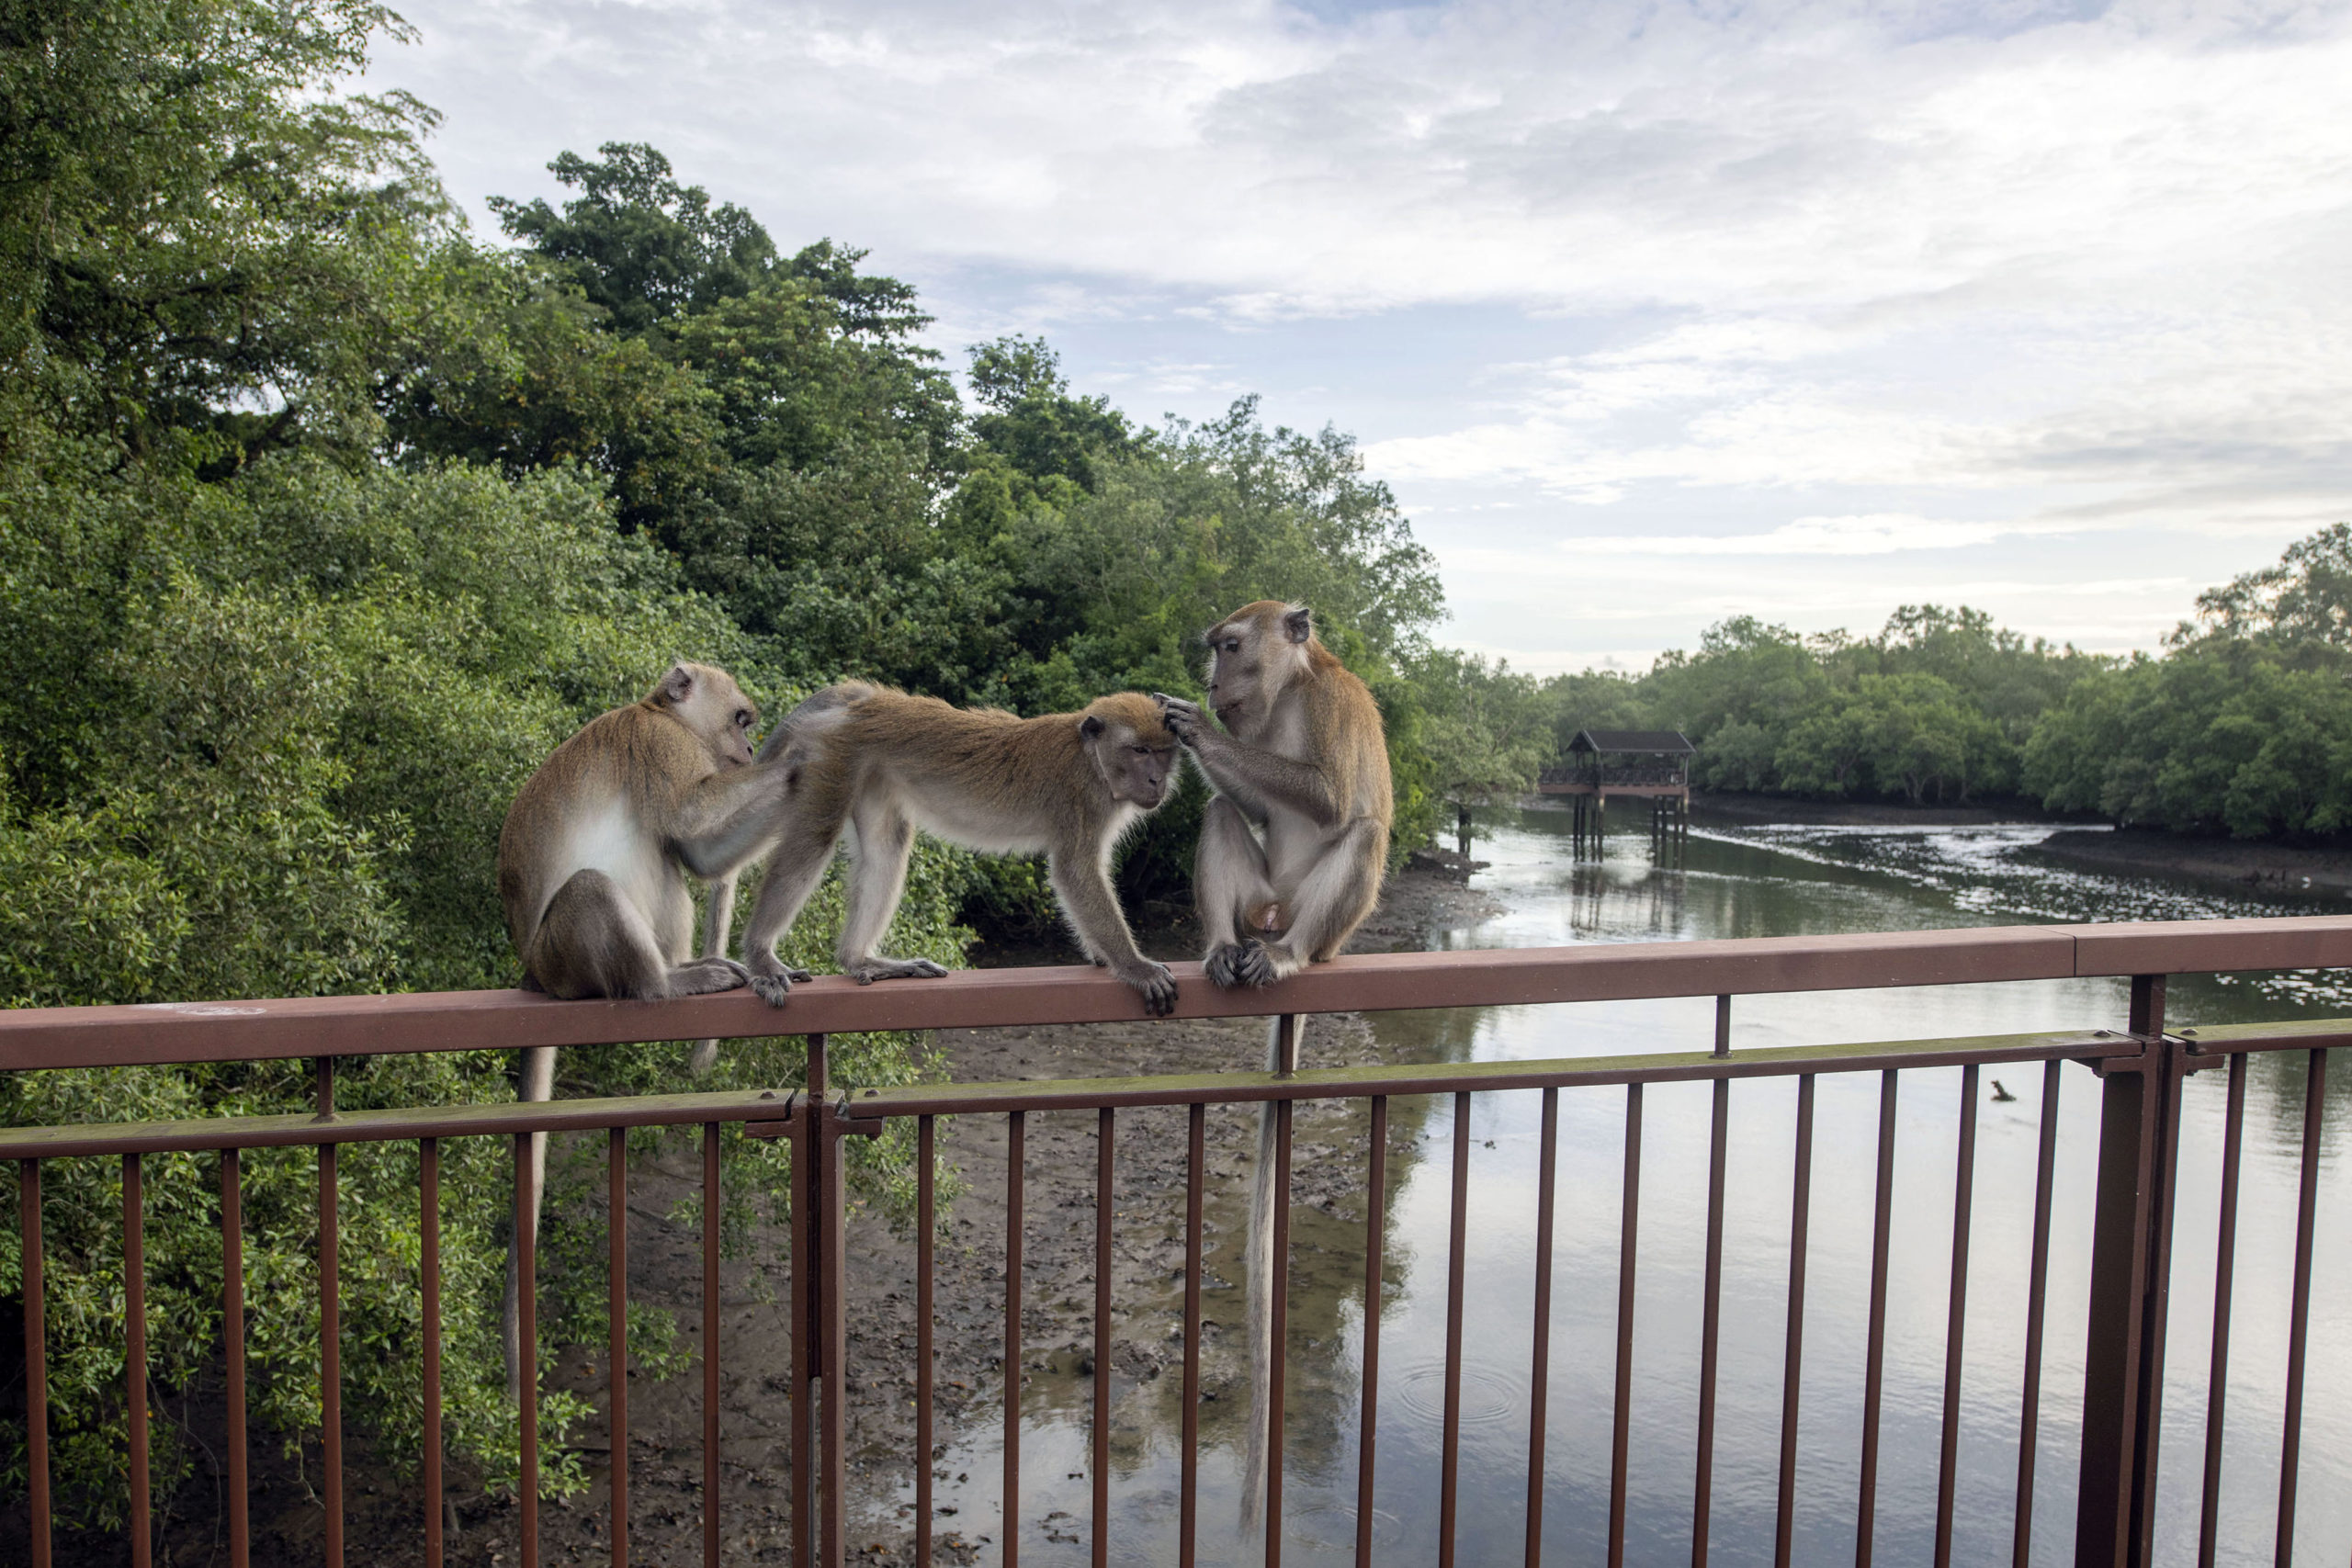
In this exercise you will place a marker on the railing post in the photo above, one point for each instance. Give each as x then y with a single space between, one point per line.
811 1154
2130 1259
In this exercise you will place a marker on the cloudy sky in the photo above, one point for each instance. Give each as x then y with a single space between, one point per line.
1651 313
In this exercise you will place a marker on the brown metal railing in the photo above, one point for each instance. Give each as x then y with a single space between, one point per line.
2140 1067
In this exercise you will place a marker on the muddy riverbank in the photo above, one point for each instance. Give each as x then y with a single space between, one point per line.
2138 851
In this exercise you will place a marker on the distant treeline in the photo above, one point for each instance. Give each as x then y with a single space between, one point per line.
2243 725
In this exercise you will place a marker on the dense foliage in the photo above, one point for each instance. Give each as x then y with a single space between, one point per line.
324 520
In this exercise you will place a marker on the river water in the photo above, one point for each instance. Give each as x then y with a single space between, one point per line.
1772 881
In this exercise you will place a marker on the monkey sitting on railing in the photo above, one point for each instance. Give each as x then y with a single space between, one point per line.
593 856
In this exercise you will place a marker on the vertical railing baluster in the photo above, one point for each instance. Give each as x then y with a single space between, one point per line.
428 1172
2225 1251
1620 1419
331 1328
1874 1366
2037 1290
1189 1481
711 1474
1458 1236
526 1350
1016 1147
1793 1357
134 1359
1375 1213
2300 1313
616 1335
1539 1378
926 1223
1703 1490
1956 1318
1277 1332
233 1341
1103 1134
805 1367
35 1362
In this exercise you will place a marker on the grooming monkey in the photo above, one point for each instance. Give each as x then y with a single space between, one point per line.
590 864
1293 850
878 763
1296 843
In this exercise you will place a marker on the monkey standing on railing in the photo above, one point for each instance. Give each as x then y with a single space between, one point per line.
1293 850
877 764
592 858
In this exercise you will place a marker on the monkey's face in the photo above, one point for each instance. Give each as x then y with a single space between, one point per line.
1135 762
1252 655
707 700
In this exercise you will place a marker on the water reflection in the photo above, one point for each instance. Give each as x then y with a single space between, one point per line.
1767 882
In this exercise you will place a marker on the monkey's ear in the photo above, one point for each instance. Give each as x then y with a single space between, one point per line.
1090 726
1297 624
678 684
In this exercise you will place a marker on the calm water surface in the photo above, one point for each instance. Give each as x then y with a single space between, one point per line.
1769 881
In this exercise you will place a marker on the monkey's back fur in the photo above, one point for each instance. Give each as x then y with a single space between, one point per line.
1020 768
630 764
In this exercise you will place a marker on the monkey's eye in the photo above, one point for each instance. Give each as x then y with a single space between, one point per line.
743 719
1233 645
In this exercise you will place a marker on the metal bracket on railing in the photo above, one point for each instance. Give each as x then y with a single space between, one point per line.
781 1128
841 1124
2194 1058
2101 1066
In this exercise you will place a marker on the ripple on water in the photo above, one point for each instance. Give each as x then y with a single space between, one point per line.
1491 1397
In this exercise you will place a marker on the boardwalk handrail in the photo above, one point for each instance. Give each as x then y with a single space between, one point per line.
160 1033
2141 1064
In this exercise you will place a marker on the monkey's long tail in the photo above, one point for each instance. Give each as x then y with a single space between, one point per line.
1265 1356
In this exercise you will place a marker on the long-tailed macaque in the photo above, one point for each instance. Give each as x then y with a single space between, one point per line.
591 857
1292 849
880 764
1295 844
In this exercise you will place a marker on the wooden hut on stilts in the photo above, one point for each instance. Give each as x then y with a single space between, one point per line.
1649 765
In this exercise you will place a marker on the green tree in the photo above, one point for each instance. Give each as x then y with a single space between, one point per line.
1483 729
199 239
2305 598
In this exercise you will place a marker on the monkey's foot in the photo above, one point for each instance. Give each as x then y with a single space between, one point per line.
700 976
865 971
1157 985
1239 963
771 985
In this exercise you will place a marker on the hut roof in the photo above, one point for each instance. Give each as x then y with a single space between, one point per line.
1654 742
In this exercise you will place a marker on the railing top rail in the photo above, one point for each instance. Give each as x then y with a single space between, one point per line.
462 1021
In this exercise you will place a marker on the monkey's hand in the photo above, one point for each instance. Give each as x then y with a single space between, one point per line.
1157 985
772 981
1247 963
1184 719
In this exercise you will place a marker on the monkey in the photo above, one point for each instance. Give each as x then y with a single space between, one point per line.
591 858
876 764
1301 761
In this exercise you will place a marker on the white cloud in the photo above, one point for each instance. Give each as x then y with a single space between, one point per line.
1876 535
1845 277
